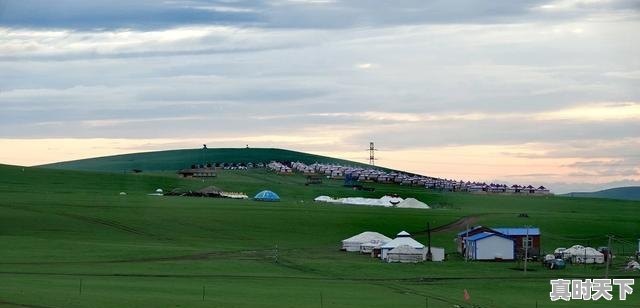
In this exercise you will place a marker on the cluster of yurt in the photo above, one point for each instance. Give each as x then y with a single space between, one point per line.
403 248
380 176
279 168
302 167
578 254
385 201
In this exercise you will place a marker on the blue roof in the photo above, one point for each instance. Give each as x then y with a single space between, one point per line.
267 195
482 235
518 231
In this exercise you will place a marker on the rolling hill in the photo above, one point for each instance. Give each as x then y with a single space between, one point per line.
621 193
72 240
177 159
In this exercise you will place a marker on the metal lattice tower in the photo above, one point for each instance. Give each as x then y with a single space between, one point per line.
372 151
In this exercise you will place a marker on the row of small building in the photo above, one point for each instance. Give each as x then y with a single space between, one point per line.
403 248
379 176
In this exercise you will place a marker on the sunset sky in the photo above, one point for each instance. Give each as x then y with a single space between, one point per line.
540 92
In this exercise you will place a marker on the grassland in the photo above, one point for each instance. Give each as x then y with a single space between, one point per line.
621 193
70 240
178 159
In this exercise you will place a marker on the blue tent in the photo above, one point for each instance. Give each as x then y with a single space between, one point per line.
266 195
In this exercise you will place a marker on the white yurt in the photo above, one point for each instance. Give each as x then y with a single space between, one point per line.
355 242
405 254
588 255
403 238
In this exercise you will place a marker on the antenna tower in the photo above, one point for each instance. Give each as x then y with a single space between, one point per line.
372 150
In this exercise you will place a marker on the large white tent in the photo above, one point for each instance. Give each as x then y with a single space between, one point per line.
581 254
385 201
411 203
355 242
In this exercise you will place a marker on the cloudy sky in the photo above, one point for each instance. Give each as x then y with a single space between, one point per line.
541 92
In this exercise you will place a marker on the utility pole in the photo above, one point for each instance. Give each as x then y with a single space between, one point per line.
465 249
526 250
429 256
609 255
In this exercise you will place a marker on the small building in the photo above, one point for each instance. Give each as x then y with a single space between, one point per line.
520 235
489 246
366 238
198 173
437 253
313 179
542 191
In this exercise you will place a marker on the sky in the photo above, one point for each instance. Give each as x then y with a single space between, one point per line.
524 92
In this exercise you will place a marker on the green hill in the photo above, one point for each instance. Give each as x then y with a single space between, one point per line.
71 240
177 159
621 193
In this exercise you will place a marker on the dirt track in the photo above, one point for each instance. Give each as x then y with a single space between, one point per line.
457 225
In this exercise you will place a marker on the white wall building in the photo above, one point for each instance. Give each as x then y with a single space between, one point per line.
490 246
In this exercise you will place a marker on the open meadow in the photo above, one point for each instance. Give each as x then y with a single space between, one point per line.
70 240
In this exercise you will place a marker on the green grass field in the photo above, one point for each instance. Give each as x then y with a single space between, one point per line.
70 240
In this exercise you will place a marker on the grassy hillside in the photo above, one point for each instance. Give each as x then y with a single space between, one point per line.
621 193
178 159
70 240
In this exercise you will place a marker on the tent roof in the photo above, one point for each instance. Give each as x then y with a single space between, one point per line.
412 203
368 236
267 195
398 241
324 199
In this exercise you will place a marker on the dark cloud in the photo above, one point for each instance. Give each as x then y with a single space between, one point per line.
103 14
79 14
